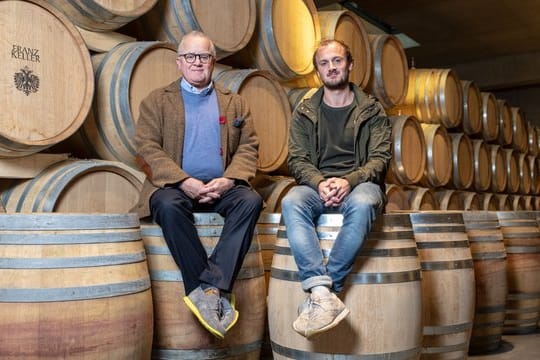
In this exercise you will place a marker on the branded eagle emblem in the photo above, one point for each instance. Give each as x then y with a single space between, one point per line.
25 81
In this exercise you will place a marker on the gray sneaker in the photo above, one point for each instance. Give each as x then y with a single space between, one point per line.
301 322
229 315
206 306
321 314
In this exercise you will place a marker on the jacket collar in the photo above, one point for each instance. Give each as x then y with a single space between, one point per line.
366 105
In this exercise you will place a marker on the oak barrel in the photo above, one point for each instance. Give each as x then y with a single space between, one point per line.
103 15
421 198
346 26
449 199
438 170
482 166
396 198
505 123
490 266
409 151
177 332
39 107
520 138
522 241
434 96
286 34
270 110
74 286
490 117
230 25
124 77
499 176
382 292
389 76
472 108
462 161
447 281
82 186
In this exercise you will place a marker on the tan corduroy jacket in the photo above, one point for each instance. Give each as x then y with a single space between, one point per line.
159 138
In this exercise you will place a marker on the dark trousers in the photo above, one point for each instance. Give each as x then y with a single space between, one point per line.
173 211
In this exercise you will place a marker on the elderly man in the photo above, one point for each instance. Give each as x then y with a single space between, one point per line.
198 147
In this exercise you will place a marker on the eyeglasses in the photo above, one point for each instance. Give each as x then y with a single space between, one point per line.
190 57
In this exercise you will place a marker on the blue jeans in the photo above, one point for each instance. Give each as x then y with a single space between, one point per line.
301 208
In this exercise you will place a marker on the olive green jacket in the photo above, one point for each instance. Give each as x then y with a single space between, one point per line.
159 138
372 146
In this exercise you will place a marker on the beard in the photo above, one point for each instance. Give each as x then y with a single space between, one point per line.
338 83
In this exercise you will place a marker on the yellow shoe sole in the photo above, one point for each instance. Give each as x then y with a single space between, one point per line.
196 312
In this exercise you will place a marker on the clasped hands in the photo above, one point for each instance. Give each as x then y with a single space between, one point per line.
332 191
206 193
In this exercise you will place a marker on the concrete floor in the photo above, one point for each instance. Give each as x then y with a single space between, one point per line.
515 347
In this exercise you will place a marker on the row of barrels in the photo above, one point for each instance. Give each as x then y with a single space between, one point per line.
429 155
425 285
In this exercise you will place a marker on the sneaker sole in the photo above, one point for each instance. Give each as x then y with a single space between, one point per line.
236 316
207 326
336 321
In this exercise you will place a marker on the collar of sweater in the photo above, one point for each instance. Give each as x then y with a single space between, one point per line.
192 89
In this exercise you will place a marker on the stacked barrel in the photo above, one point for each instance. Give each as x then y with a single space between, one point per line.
73 84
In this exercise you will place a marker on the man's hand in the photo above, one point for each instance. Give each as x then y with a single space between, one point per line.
214 189
192 187
332 191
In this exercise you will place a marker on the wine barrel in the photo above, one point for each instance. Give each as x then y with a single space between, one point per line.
124 77
471 200
269 107
286 34
382 292
522 241
448 283
103 15
472 108
74 286
409 151
517 201
490 117
421 198
438 170
520 137
230 26
81 186
45 98
534 166
512 170
397 198
499 175
389 76
505 123
532 139
177 332
504 202
489 202
462 161
525 180
449 199
482 166
490 266
346 26
434 96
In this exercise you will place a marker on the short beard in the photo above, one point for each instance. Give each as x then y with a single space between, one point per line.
341 85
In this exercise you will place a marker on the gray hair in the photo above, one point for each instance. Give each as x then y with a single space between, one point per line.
196 33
